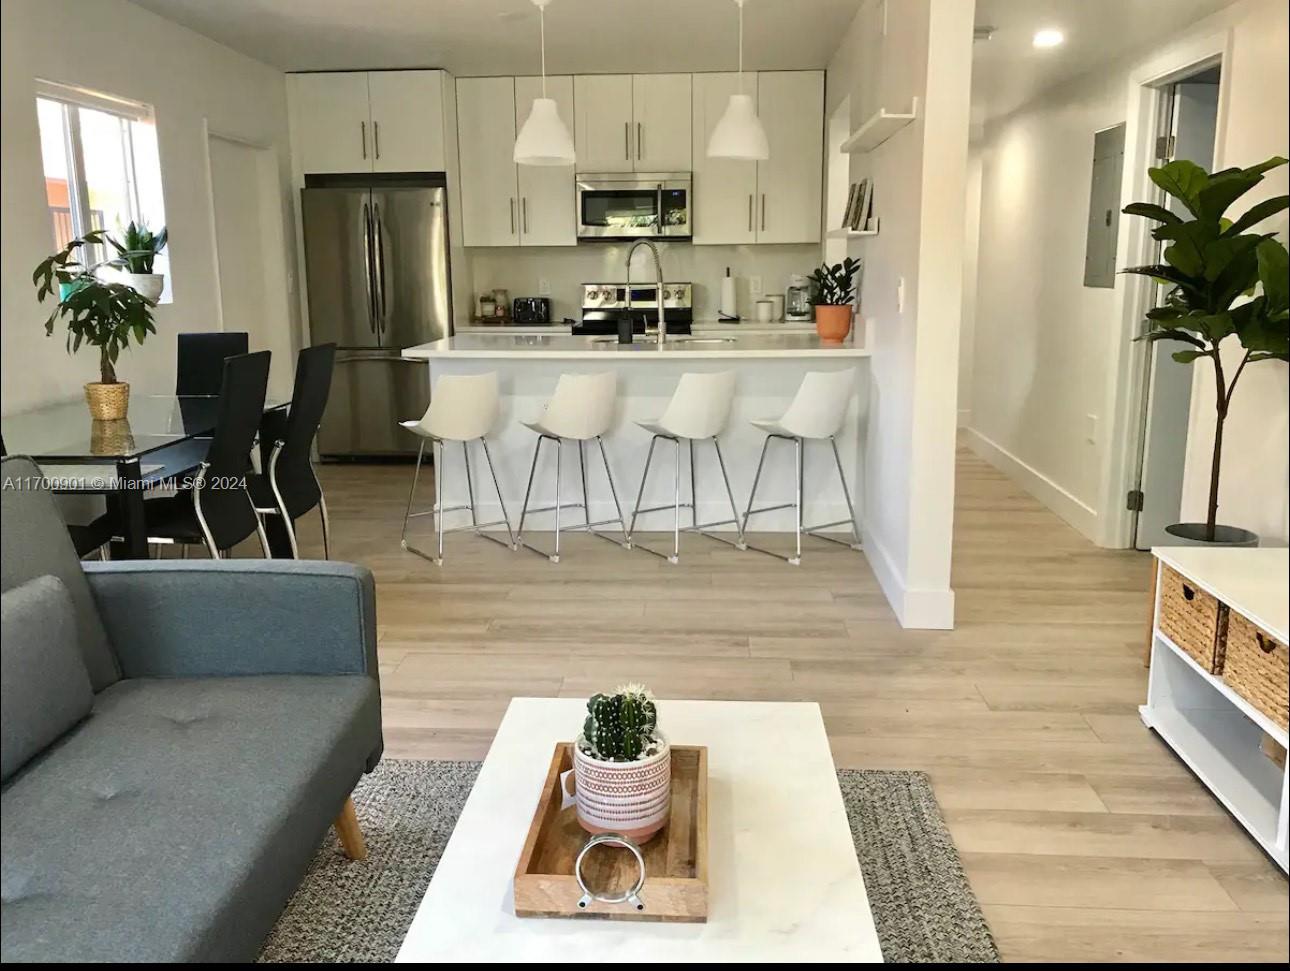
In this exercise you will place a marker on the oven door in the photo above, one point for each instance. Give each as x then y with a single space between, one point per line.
641 206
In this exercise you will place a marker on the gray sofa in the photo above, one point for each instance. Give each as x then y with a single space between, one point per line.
178 736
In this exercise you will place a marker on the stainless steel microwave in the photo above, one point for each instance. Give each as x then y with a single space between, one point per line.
634 205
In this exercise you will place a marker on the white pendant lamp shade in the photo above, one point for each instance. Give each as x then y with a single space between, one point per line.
544 139
739 133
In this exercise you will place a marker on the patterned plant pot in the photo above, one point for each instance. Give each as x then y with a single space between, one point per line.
633 799
107 402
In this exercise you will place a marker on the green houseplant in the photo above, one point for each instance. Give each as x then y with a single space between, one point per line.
1221 282
137 251
835 298
622 766
102 314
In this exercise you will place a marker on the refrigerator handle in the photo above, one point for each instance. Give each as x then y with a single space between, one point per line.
367 265
380 267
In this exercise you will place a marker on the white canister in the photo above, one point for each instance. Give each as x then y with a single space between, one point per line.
765 312
777 306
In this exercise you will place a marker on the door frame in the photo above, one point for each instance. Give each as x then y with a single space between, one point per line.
1126 389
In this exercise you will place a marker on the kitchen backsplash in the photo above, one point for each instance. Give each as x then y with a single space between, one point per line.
521 270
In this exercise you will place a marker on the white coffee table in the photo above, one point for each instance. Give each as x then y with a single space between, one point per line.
785 883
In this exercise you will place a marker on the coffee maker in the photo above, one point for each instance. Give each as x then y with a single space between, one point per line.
797 298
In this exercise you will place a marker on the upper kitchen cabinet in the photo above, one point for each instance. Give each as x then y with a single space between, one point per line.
486 143
361 121
603 122
661 122
330 121
407 120
548 207
789 183
725 190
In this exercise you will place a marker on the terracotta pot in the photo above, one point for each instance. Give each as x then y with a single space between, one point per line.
632 799
108 402
833 322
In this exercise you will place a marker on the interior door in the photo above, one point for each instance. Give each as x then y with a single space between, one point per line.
789 183
602 130
662 117
548 212
338 260
410 259
486 145
407 120
1192 120
725 190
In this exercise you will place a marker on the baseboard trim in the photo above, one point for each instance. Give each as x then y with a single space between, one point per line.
915 609
1074 511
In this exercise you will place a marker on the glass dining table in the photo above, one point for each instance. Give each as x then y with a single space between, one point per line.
160 444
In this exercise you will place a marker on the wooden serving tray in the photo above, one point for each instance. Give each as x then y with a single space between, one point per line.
676 859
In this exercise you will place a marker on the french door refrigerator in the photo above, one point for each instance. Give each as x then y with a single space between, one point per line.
376 262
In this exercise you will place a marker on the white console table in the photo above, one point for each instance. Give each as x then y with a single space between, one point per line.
1213 729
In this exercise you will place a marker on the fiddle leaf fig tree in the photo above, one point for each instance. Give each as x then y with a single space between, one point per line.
1220 281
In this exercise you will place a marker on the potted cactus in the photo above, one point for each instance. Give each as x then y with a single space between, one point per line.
622 766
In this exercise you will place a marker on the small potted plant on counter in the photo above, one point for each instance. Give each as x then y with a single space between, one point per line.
103 314
1222 284
835 299
622 766
136 254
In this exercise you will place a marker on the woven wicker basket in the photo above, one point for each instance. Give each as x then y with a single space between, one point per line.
1258 669
1192 619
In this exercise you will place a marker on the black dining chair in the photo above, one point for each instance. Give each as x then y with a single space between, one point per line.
199 361
289 487
217 511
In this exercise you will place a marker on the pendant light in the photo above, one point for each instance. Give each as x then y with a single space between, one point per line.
739 133
543 140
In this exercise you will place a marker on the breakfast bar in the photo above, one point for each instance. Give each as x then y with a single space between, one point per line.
768 369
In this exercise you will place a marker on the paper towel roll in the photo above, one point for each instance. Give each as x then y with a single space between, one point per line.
728 308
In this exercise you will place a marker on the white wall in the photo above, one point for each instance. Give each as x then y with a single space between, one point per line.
1048 362
520 269
971 254
891 54
119 48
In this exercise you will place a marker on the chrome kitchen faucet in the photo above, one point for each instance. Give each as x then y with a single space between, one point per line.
658 277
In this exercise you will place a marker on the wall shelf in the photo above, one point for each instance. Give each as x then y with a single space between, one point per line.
879 127
845 233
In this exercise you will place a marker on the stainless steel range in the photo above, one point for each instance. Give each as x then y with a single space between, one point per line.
604 304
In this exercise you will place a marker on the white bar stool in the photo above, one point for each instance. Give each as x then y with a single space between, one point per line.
580 410
698 411
462 409
816 413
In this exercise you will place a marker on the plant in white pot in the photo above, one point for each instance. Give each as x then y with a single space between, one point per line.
622 766
99 313
1222 284
137 251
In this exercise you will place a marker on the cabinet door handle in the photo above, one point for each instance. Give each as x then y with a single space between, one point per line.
763 210
512 217
524 211
376 138
627 140
750 208
362 136
640 140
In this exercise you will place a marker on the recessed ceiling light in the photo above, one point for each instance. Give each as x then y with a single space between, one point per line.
1049 38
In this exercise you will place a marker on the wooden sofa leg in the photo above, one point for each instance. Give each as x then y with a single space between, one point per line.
351 837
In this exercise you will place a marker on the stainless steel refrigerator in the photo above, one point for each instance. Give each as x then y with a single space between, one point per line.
376 260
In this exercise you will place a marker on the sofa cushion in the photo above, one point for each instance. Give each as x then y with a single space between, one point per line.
36 543
175 824
45 689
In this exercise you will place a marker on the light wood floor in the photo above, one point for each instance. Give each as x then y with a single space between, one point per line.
1083 836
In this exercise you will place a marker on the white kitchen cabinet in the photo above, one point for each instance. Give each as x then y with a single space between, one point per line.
725 190
791 107
661 115
407 120
330 123
547 203
603 137
486 143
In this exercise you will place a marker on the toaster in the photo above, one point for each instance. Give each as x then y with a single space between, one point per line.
531 310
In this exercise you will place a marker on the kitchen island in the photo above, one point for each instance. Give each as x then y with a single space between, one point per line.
769 368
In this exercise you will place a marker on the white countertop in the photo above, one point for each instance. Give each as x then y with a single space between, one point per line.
1252 582
510 346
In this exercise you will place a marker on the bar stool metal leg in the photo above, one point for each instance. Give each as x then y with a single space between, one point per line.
703 529
510 536
609 477
588 525
438 510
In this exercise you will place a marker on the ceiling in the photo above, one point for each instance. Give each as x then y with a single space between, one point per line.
479 37
1007 70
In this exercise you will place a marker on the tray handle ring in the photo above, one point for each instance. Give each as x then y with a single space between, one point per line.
631 896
